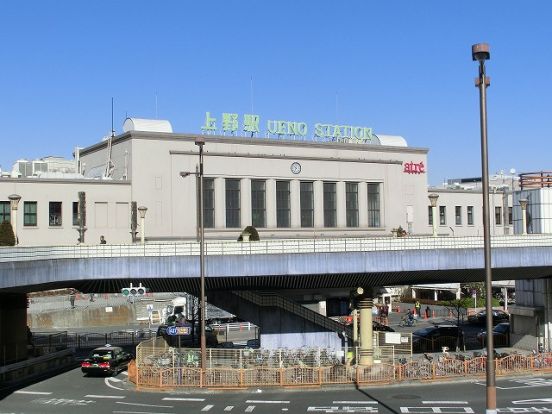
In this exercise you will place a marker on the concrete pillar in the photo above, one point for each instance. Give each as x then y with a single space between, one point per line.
14 202
13 327
245 202
220 204
523 204
505 296
413 293
458 294
366 335
271 203
435 295
340 195
355 328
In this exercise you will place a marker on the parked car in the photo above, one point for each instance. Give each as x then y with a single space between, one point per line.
434 338
106 360
481 316
501 335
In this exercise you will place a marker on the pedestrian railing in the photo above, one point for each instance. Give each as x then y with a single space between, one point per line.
286 246
172 373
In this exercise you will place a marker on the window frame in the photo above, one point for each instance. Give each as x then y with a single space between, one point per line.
30 218
5 211
283 204
306 196
330 204
351 204
258 203
458 215
233 195
470 216
55 215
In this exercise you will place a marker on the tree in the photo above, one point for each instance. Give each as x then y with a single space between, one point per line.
253 234
458 308
7 238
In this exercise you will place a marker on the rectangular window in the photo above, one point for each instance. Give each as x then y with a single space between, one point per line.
430 215
374 206
208 203
458 215
330 205
258 203
283 204
29 213
232 203
75 213
442 215
470 215
510 216
498 216
351 204
54 214
5 211
307 204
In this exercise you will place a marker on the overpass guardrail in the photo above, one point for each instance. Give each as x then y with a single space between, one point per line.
284 246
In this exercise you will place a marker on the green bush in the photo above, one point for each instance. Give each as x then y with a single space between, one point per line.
7 238
253 234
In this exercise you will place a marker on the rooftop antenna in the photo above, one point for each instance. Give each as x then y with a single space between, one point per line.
109 167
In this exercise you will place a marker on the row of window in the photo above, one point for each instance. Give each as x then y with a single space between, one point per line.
30 213
283 203
469 213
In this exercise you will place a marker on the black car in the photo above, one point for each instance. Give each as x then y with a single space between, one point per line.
481 317
106 359
376 326
501 335
434 338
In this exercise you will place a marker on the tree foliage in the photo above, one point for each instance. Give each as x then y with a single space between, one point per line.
7 238
253 234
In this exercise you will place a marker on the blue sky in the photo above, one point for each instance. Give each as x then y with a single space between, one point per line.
400 67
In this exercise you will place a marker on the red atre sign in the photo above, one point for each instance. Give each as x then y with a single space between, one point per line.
414 168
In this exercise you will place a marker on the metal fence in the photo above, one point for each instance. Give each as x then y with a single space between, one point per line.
47 342
287 246
233 372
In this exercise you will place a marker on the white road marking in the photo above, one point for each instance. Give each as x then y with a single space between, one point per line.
32 392
265 402
534 401
106 380
354 402
249 408
229 408
144 405
139 412
105 396
207 407
183 399
444 402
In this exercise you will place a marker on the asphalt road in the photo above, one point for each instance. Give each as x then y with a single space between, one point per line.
72 393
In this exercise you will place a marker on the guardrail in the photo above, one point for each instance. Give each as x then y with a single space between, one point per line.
287 246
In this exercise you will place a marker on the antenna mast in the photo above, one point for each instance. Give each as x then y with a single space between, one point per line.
109 167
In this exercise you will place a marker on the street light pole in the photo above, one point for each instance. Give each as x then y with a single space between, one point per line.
200 142
481 53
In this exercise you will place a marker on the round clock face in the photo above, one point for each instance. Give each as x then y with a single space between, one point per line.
295 168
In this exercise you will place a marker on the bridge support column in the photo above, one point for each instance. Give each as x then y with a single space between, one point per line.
13 327
366 335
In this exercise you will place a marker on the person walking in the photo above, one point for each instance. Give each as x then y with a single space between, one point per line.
427 312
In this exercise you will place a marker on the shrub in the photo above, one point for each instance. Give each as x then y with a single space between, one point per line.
253 234
7 238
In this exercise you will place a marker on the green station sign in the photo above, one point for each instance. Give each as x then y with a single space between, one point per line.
250 125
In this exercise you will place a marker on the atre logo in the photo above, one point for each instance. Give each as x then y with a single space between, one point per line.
414 168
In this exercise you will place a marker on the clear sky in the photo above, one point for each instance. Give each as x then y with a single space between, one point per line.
400 67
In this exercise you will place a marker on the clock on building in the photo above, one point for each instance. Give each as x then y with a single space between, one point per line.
295 168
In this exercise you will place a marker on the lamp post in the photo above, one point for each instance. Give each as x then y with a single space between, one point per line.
523 205
481 53
200 142
14 203
142 211
433 200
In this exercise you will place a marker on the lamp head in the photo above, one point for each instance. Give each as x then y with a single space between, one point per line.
200 141
481 52
433 199
184 174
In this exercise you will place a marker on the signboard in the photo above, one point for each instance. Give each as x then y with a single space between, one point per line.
178 330
251 125
414 167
